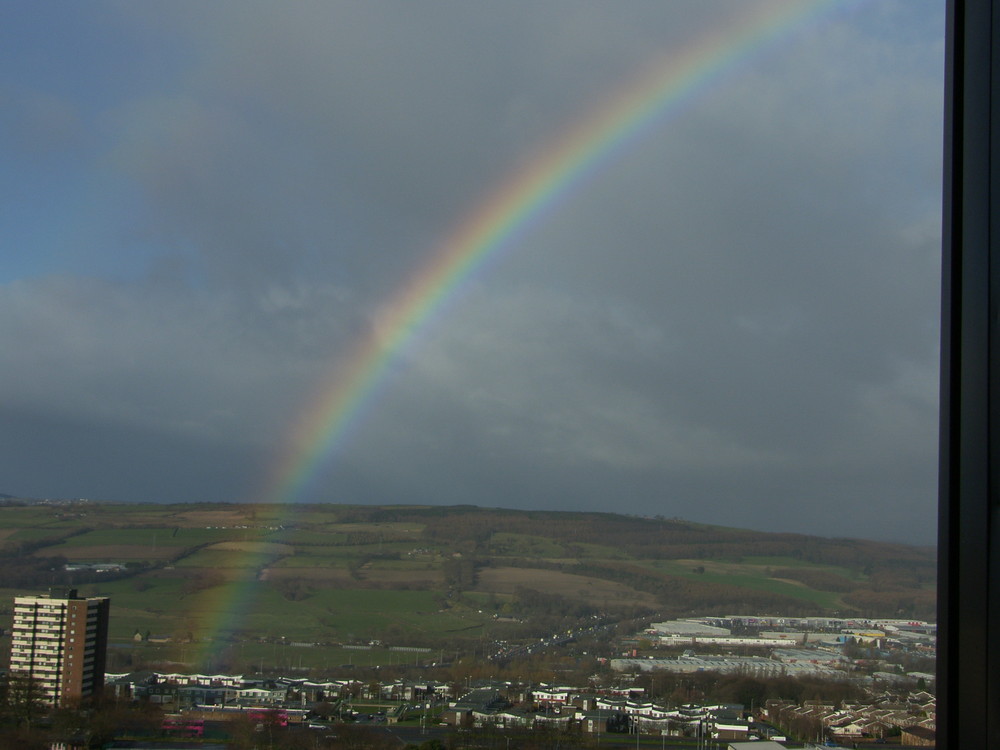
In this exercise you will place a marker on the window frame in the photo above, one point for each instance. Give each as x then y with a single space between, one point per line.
968 561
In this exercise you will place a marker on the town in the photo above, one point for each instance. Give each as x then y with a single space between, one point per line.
712 680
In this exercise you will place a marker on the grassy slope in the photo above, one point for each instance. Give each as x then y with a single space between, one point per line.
342 573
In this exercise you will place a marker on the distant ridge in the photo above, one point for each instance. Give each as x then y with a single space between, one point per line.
5 498
431 569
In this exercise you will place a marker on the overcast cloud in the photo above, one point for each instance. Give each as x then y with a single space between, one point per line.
206 205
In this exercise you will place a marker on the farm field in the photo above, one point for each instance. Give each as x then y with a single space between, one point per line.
553 582
205 580
748 576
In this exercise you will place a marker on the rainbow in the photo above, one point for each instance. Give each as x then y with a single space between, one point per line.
527 196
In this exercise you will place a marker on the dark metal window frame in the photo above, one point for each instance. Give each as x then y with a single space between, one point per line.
968 601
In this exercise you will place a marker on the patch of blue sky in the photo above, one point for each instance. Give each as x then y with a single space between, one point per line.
69 226
58 49
63 209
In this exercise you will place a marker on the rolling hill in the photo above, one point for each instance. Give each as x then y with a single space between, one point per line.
426 576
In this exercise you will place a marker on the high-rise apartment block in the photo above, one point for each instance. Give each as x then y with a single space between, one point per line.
60 641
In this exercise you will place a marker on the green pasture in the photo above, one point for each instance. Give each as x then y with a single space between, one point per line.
418 612
350 551
191 594
486 601
779 561
34 533
825 599
155 603
598 551
309 537
159 537
324 657
298 516
746 577
329 531
217 558
53 527
137 513
259 609
341 551
341 534
68 524
407 565
141 509
310 559
11 517
253 657
359 613
791 562
125 622
525 545
166 605
406 528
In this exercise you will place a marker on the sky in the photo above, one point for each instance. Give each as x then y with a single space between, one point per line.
207 210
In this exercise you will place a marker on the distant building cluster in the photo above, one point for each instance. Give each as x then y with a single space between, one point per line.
506 705
781 664
178 691
100 567
913 714
741 630
796 646
59 648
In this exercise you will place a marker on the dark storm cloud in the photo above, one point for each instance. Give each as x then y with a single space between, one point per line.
734 321
382 123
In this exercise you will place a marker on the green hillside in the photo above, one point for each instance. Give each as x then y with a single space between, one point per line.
231 575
